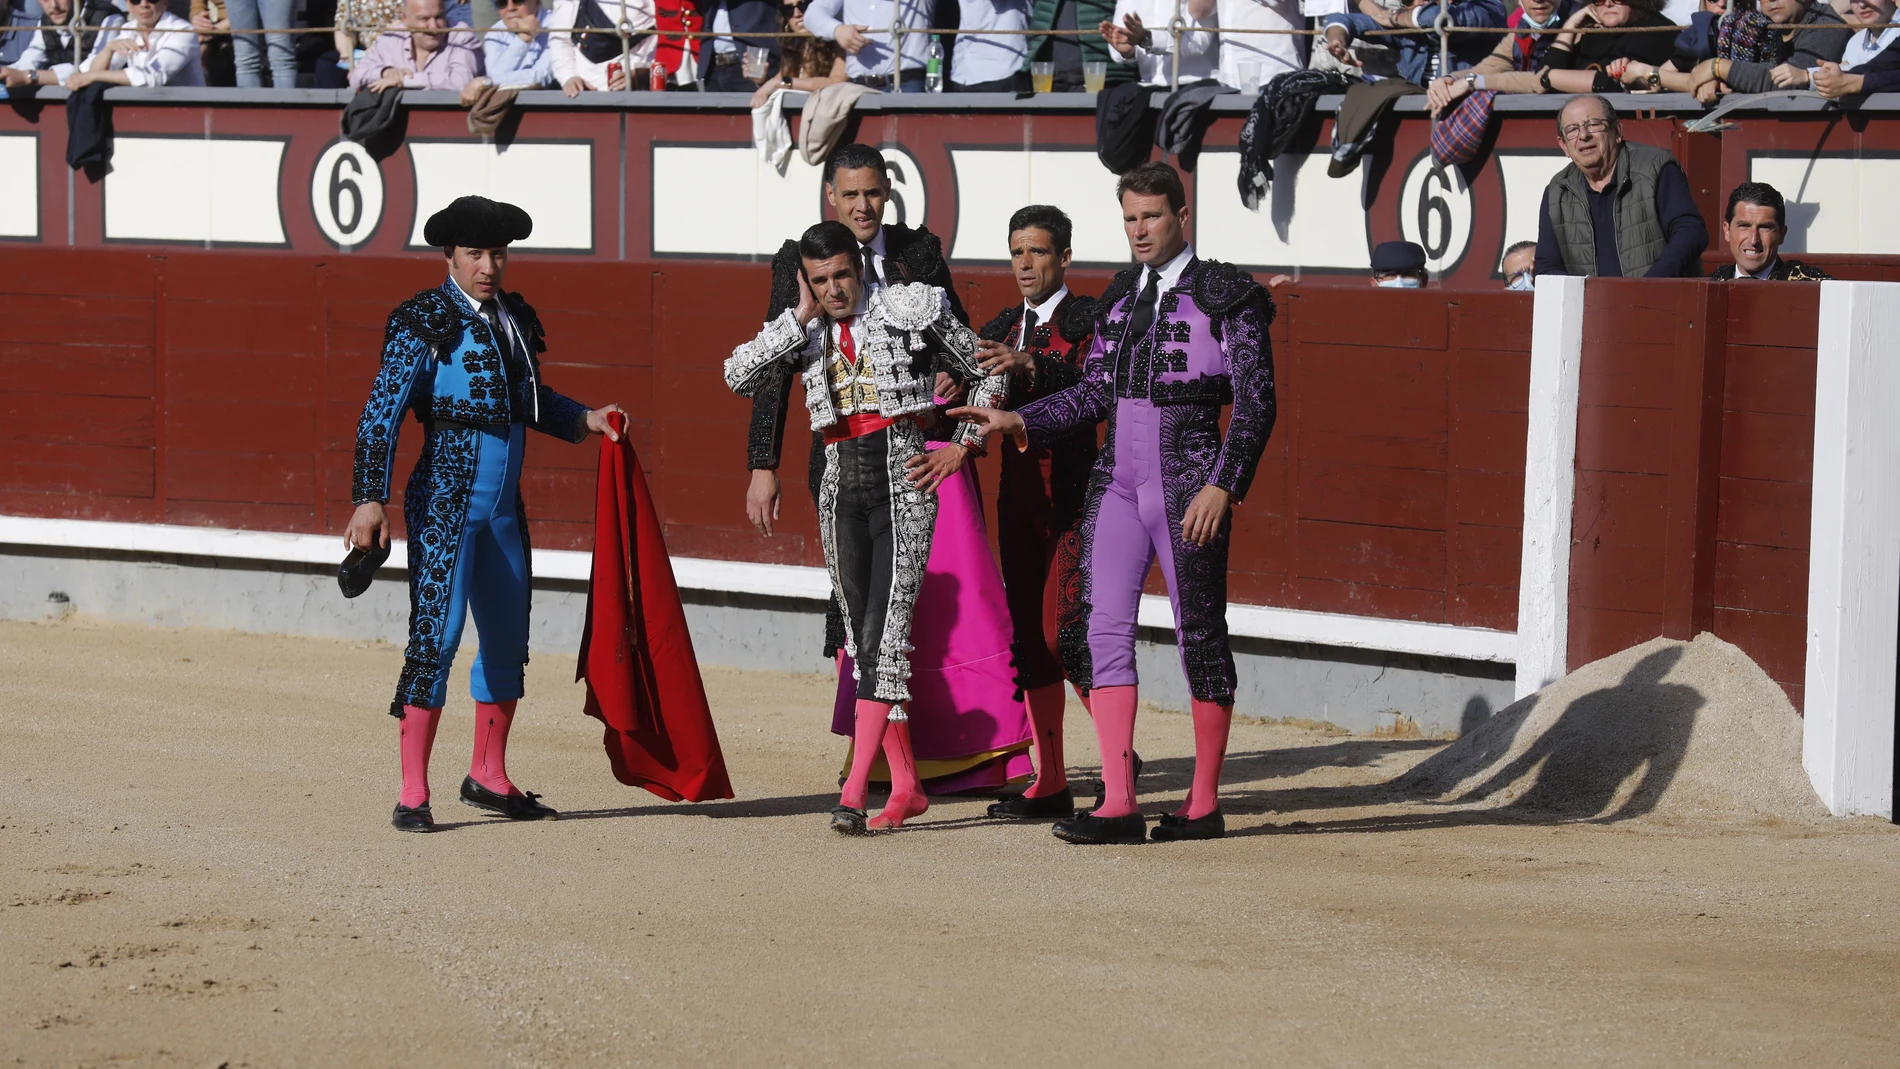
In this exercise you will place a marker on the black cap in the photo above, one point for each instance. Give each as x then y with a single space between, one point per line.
1393 258
477 223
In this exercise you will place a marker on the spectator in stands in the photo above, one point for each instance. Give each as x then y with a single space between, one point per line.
47 58
807 64
1067 53
1398 265
721 59
247 50
1869 63
17 23
1139 34
518 60
421 53
1579 62
861 29
1618 209
358 24
1520 266
1818 40
1251 60
1522 52
1700 40
1754 228
586 61
990 64
127 52
1418 53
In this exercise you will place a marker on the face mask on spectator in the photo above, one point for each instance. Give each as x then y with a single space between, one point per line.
1523 280
1399 282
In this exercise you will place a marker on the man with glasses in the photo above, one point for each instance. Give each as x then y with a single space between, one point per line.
1619 209
518 60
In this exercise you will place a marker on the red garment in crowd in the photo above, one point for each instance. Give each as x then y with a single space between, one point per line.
670 19
636 654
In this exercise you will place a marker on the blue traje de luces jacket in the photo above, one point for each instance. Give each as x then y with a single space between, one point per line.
441 360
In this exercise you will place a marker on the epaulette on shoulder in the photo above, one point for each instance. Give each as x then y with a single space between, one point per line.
429 314
922 252
529 320
1075 320
784 280
1118 287
998 328
1220 287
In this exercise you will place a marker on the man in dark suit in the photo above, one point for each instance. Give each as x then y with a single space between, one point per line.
722 59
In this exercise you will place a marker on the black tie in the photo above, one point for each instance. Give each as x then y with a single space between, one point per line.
870 268
1143 316
1029 329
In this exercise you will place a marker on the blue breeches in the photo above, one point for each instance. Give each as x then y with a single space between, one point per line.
490 576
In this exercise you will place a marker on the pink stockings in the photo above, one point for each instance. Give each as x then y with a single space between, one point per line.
1114 709
490 765
1045 705
875 733
418 726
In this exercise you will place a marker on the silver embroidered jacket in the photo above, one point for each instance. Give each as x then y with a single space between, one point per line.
910 335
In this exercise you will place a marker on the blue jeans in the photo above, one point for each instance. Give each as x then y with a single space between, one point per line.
248 49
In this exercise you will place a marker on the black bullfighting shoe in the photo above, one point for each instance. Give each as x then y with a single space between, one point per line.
513 806
1091 830
1057 806
1173 829
416 819
848 821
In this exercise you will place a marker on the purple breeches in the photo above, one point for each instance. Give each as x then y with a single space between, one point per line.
1132 529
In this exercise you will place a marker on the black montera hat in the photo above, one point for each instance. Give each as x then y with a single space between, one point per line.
477 223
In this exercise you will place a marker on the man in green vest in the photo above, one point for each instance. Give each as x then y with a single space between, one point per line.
1619 209
1067 51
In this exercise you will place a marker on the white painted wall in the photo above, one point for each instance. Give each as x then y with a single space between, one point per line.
217 189
1550 483
20 208
1854 557
554 182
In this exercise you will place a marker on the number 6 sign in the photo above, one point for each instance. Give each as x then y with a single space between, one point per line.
346 194
1435 211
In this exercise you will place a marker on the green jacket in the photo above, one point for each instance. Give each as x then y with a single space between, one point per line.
1088 15
1640 238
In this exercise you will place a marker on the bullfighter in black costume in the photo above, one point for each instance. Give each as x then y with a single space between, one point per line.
464 357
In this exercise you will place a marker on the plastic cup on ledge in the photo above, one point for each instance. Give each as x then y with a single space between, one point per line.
1094 75
1042 77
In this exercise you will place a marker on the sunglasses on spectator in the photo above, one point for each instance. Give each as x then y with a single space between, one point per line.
517 3
1576 129
145 3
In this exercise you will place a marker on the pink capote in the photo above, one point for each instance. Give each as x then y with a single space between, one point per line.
962 685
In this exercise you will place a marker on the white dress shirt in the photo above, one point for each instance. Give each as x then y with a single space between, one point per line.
824 17
1043 312
33 57
162 58
567 60
1861 48
1275 53
988 59
1170 272
1154 61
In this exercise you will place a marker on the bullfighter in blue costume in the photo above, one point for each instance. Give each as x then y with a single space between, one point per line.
464 357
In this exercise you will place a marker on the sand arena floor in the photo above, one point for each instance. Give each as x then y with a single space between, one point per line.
199 872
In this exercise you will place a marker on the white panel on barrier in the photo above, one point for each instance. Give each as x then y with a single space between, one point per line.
1836 204
1328 231
1524 176
20 208
758 207
993 183
554 181
220 190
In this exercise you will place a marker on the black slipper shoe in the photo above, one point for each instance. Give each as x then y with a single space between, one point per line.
1182 829
1057 806
523 806
848 821
1091 830
416 819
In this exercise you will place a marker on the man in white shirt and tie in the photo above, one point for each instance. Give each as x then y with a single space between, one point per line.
862 28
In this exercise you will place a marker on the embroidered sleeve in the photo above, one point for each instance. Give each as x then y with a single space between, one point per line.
1082 405
1054 374
764 360
404 349
765 433
562 416
1250 363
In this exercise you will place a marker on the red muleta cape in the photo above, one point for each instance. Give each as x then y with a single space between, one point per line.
636 655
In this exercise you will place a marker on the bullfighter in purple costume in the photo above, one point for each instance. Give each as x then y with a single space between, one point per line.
1178 339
